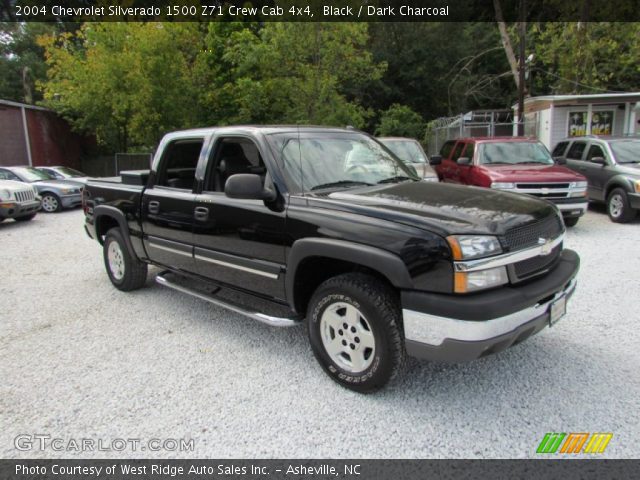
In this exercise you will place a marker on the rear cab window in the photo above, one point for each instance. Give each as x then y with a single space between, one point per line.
177 167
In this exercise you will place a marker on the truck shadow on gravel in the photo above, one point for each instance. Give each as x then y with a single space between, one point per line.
601 208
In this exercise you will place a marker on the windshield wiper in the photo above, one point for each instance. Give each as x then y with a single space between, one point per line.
341 183
396 179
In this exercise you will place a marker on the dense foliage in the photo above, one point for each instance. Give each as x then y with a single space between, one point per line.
128 83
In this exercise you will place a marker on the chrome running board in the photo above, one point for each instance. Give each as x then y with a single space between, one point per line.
260 317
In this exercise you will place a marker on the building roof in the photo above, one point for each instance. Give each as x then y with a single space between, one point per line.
593 97
10 103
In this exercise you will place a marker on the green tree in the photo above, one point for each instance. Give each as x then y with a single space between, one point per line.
298 73
401 121
585 57
22 59
126 82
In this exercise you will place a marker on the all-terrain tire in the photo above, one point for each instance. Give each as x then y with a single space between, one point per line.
357 314
125 271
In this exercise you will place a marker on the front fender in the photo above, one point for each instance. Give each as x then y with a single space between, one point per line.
387 264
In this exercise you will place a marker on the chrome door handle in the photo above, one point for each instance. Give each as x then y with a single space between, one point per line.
201 213
154 207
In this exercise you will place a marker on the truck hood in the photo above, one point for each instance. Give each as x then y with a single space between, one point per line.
54 184
531 173
632 169
441 208
12 185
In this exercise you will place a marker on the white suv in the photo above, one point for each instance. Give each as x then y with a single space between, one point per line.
18 200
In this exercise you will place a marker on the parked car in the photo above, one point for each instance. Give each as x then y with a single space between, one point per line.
514 164
612 168
378 264
18 201
411 153
56 194
65 173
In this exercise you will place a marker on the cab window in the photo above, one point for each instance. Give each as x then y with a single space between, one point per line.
594 152
445 151
457 151
233 155
576 150
178 165
560 148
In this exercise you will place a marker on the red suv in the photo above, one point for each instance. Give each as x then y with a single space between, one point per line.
513 164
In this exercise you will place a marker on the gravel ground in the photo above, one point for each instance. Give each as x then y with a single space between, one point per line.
79 359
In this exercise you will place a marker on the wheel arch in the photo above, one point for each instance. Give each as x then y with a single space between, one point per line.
314 260
617 182
105 218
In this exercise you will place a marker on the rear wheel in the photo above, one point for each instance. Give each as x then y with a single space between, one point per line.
571 222
618 207
355 331
125 271
51 203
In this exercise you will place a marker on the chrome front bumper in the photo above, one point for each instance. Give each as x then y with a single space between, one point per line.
579 209
440 338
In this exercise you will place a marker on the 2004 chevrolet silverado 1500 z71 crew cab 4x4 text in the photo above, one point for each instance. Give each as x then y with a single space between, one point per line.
286 225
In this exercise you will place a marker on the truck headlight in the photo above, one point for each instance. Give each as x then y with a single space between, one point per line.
4 194
465 282
467 247
578 185
503 185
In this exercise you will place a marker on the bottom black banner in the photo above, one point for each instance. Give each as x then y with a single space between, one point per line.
317 469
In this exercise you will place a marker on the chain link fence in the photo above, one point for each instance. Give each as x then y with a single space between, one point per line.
493 123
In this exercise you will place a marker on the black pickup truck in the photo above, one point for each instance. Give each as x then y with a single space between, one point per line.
325 226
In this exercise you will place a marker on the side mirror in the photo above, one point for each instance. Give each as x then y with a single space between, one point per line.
598 161
247 186
435 160
463 161
560 160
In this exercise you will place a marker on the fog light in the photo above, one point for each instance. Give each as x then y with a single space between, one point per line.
465 282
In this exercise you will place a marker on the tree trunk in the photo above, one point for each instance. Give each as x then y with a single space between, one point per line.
506 41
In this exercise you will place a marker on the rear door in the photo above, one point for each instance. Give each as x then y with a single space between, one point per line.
465 171
239 242
168 206
596 174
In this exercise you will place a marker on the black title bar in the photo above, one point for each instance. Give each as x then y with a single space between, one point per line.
317 10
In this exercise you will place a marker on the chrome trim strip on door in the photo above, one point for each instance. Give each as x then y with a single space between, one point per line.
273 276
169 249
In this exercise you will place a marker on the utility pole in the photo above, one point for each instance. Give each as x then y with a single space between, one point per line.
521 81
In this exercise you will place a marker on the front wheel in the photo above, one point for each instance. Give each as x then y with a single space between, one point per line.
618 207
51 203
355 331
125 271
571 222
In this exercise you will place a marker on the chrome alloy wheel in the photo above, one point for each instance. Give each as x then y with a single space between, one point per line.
616 205
49 203
347 337
116 260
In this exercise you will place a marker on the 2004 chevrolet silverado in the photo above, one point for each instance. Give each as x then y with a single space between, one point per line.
325 226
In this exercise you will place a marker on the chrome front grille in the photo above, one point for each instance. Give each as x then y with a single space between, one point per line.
544 190
24 195
536 265
529 235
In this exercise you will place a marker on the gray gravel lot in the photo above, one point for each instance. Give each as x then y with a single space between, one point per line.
80 359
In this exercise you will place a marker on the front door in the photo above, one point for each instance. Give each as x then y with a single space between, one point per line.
238 242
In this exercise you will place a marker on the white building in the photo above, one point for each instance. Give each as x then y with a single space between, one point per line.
554 117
